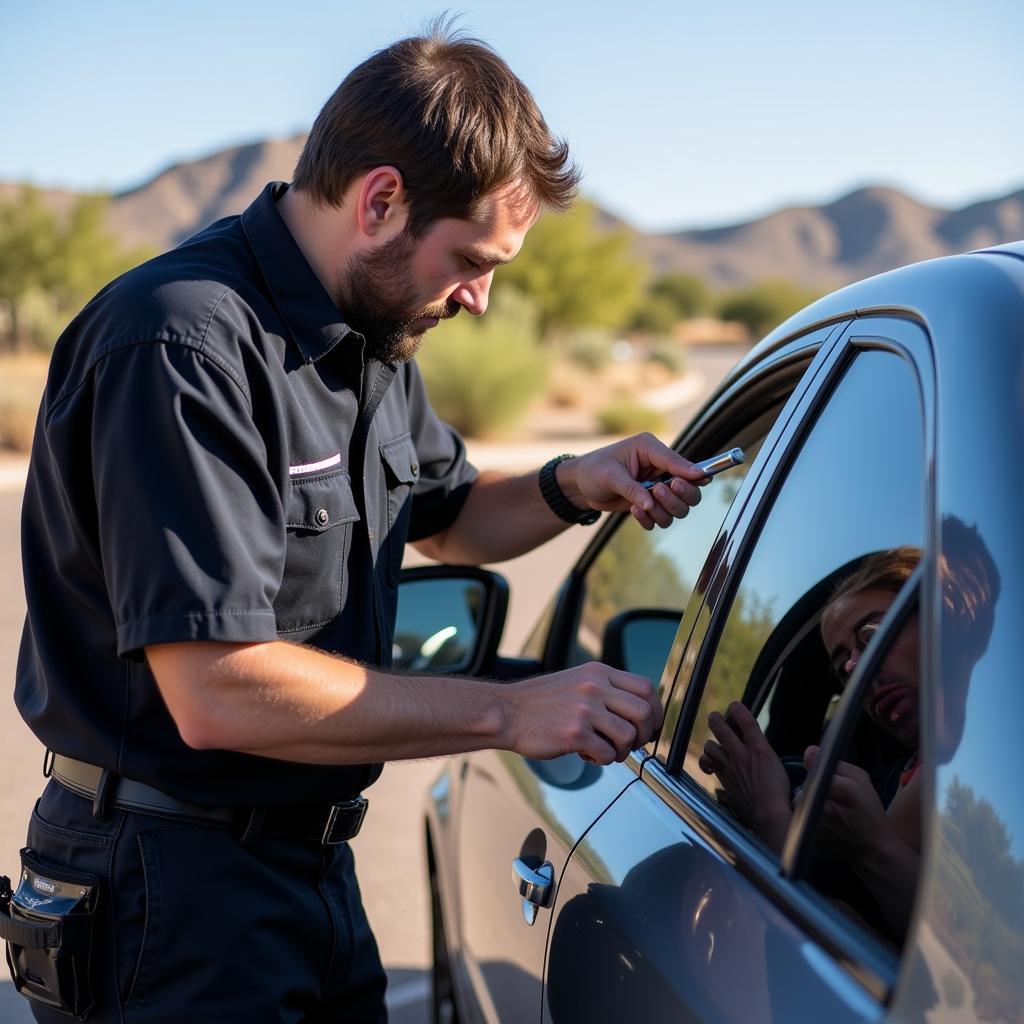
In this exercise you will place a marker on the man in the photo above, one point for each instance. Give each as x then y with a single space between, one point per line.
233 448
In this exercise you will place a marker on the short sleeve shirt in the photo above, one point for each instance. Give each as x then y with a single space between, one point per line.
215 459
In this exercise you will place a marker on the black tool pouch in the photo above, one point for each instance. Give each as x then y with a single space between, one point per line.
48 926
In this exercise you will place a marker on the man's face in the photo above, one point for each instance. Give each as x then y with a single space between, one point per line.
893 701
394 293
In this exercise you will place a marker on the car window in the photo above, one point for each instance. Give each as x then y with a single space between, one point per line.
636 590
842 538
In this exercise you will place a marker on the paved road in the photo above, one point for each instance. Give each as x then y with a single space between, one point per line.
389 850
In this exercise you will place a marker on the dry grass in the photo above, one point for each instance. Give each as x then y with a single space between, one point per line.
569 385
22 378
629 417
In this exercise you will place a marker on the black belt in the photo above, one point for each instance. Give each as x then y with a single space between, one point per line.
327 824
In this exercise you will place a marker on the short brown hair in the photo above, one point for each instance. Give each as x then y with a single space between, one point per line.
884 570
449 113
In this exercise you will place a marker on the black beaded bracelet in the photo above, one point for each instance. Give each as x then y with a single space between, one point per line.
556 499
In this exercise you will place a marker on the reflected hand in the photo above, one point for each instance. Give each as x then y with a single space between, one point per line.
611 480
854 820
754 782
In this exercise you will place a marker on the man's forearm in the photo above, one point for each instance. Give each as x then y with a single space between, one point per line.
503 517
506 516
296 703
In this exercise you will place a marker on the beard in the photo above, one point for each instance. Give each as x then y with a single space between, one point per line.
378 297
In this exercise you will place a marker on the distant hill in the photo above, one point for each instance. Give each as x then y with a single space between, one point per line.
187 197
866 232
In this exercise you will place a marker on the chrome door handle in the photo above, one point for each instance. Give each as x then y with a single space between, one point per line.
534 885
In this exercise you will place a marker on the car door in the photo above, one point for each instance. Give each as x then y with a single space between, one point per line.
681 909
511 808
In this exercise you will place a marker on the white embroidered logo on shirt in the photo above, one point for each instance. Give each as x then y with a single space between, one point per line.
315 467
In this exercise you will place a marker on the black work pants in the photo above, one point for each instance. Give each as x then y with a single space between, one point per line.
193 927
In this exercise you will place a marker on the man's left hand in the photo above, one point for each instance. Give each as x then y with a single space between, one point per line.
611 480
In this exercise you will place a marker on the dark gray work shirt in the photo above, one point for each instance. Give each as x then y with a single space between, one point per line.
215 460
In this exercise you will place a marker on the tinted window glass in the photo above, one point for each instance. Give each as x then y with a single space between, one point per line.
841 540
657 571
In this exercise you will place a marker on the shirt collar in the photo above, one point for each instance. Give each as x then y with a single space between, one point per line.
312 318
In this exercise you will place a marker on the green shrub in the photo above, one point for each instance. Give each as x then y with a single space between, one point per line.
686 293
482 373
656 314
669 354
627 417
591 349
764 306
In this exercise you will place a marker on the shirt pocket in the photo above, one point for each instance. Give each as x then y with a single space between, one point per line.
319 513
401 473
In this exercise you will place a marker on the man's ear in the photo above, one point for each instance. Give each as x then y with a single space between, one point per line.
382 209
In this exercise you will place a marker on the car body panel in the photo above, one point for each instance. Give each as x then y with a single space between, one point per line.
508 807
669 930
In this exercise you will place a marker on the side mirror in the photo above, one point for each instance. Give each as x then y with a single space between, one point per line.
639 640
450 619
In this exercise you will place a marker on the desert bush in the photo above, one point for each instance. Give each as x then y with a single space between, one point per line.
482 373
764 306
668 354
687 293
589 349
669 299
656 314
628 417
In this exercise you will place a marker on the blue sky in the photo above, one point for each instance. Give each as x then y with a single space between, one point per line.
680 113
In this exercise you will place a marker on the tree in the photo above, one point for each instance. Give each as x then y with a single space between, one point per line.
28 253
687 293
61 260
656 314
764 305
575 274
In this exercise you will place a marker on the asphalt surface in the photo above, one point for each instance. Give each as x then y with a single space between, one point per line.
388 851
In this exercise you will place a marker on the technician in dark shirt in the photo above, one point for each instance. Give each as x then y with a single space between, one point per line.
233 448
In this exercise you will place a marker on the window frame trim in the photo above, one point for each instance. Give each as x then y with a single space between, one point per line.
867 961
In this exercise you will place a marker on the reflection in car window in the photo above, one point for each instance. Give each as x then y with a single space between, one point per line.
866 849
836 547
658 570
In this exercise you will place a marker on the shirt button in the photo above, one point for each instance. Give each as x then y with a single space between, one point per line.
322 516
415 467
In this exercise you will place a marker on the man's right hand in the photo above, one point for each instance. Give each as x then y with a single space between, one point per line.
598 712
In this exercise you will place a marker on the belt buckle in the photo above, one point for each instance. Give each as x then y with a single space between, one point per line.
344 821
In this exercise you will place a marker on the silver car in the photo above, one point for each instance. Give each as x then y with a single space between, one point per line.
830 825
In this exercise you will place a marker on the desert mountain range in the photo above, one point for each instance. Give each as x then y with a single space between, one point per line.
865 232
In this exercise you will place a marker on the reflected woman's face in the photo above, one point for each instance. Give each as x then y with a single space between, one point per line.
847 627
